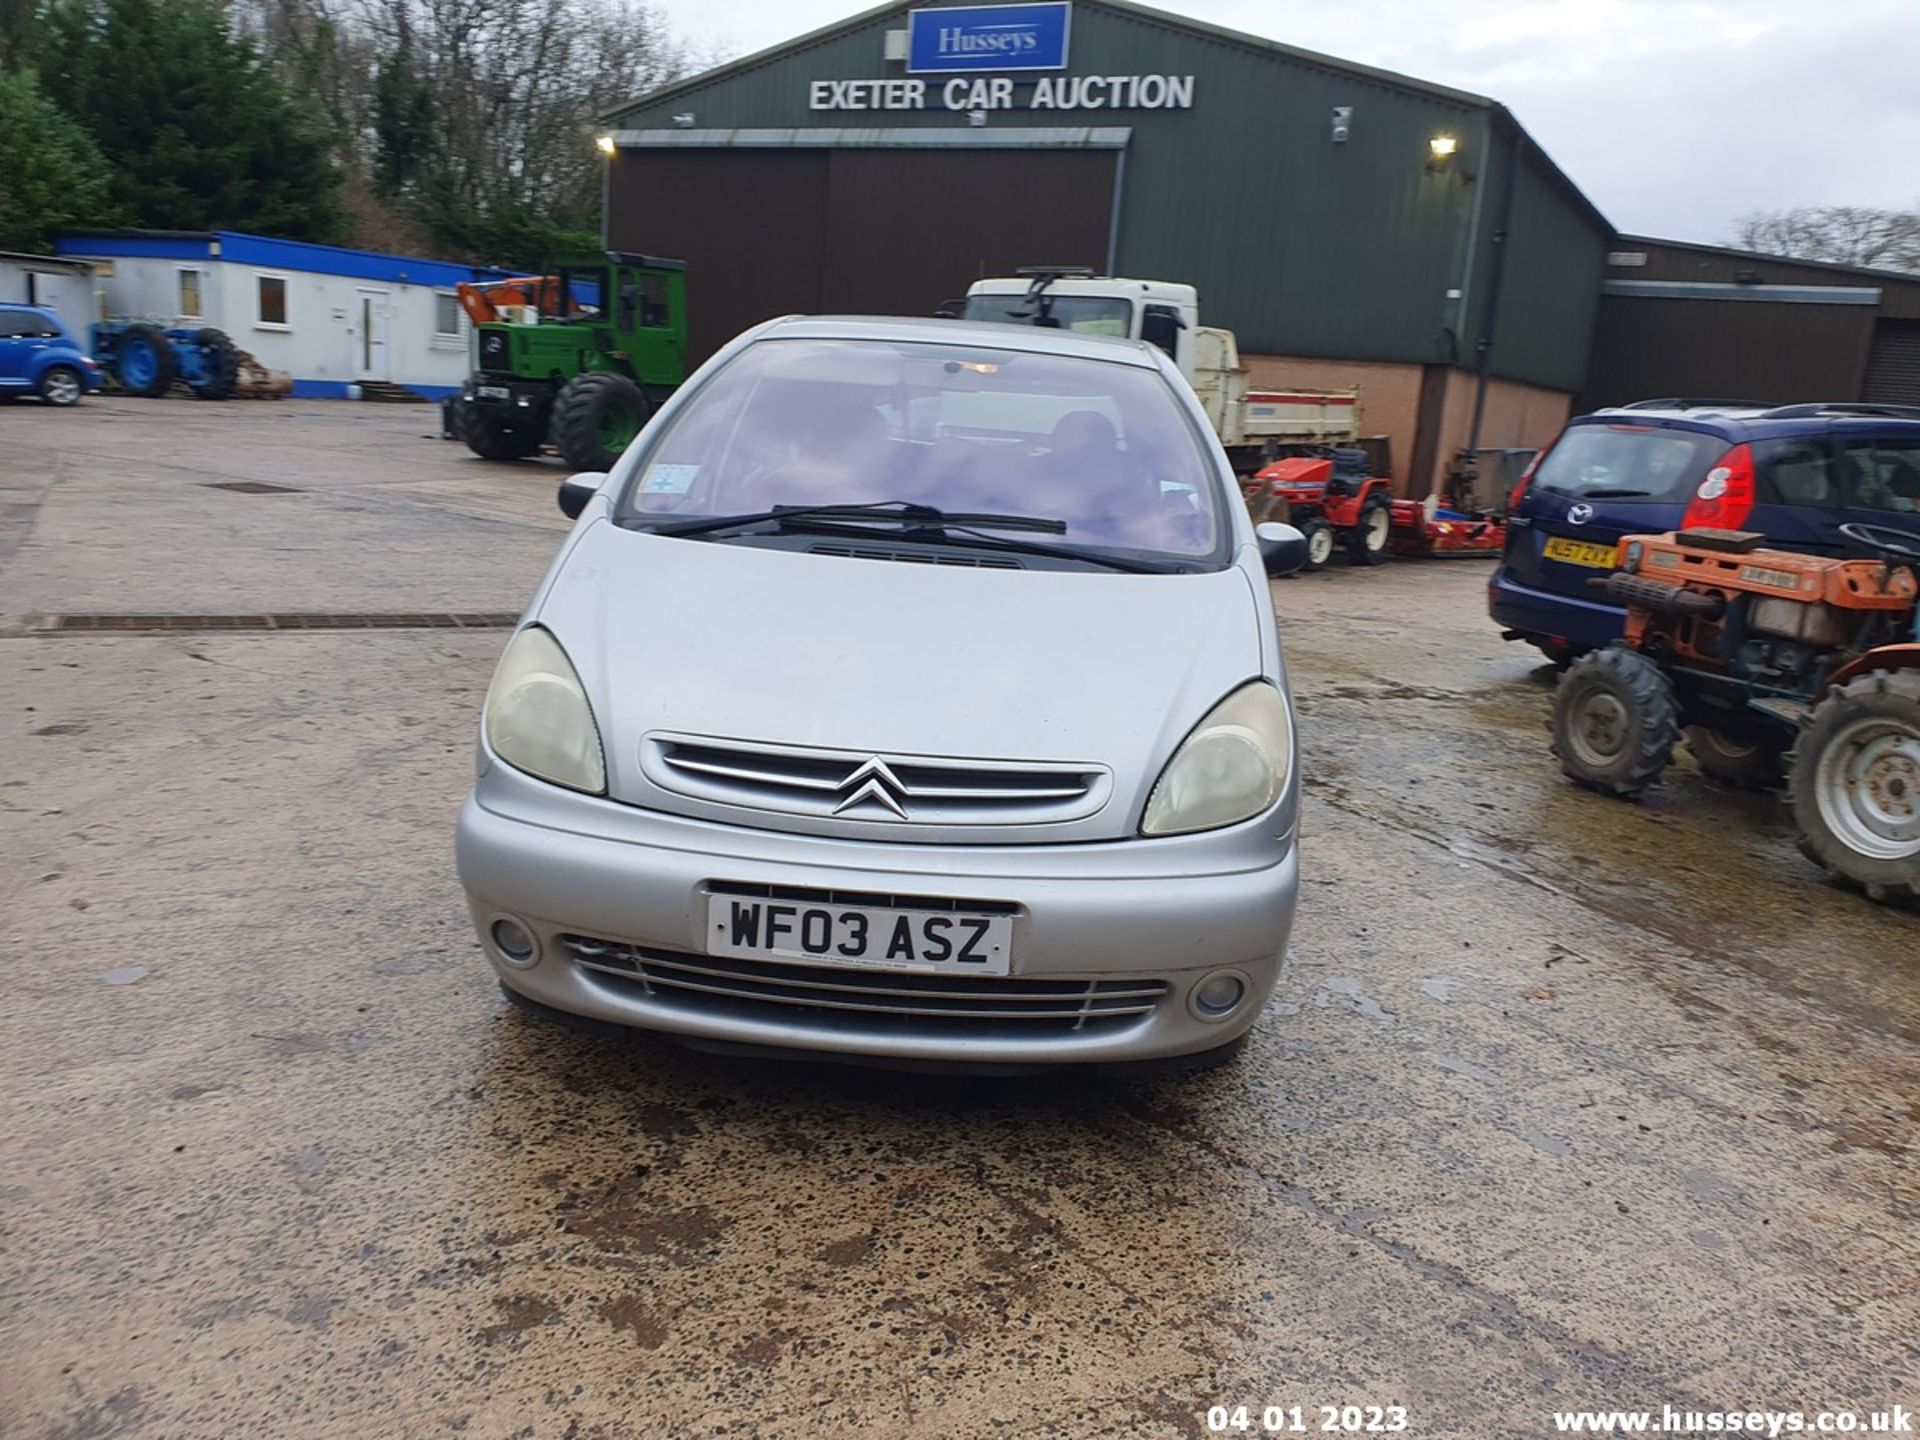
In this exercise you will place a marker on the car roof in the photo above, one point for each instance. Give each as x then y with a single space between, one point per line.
1751 420
985 335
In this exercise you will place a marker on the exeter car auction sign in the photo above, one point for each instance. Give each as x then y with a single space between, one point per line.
999 92
988 37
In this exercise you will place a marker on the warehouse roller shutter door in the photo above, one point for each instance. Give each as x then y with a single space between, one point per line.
907 229
1893 365
881 231
749 224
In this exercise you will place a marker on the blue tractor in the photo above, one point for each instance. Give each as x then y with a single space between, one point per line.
146 360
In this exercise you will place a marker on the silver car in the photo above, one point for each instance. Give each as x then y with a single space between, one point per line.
909 692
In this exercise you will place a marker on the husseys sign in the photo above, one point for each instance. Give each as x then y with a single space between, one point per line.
963 40
988 37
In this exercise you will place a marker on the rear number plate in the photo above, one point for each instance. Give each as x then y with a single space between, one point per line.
1580 552
860 937
492 392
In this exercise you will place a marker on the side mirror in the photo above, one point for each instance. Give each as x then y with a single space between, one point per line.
1283 549
577 490
1161 326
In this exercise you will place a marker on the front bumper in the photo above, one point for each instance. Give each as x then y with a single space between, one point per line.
511 397
1151 912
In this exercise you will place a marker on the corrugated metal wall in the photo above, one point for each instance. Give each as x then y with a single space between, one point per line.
1300 245
1556 258
1729 349
1667 260
1748 346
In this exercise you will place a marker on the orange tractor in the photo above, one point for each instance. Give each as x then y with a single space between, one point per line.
1776 664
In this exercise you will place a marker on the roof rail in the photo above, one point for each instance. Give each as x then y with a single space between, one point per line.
1064 272
1685 402
1843 407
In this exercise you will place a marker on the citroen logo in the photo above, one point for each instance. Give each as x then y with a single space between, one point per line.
1579 514
872 781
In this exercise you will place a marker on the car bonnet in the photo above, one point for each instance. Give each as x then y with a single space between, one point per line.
768 647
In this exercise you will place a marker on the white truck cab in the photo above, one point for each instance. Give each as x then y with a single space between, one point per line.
1253 425
1160 312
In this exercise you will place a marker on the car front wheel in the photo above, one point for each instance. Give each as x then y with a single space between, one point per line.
62 386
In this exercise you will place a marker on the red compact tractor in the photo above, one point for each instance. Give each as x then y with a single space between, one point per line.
1775 663
1337 505
1332 501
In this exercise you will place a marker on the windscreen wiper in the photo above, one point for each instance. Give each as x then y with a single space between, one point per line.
910 515
962 529
1613 494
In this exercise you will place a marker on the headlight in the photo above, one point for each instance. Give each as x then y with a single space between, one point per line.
537 716
1233 765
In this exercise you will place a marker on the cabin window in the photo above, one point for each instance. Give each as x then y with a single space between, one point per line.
272 290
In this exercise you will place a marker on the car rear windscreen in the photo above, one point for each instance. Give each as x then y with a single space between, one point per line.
1628 462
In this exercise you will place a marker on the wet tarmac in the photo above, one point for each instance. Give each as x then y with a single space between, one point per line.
1568 1103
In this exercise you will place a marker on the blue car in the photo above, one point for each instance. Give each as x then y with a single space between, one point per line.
1794 473
39 356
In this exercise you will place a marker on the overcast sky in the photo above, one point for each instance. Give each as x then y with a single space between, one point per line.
1675 116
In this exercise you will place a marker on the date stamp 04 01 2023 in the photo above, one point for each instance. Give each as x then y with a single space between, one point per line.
1306 1419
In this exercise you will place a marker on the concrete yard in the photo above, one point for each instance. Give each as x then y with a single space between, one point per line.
1568 1104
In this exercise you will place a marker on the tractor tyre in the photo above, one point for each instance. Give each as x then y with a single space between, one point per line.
1752 764
1615 721
1853 784
495 437
61 386
1367 542
1320 543
595 418
143 360
220 358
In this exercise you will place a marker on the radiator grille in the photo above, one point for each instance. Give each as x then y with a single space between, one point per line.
870 1001
854 785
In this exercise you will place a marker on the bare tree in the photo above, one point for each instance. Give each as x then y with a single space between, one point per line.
1843 234
473 118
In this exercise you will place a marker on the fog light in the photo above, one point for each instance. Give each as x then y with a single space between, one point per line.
514 942
1218 996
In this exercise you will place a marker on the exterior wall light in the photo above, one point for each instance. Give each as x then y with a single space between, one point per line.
607 144
1442 147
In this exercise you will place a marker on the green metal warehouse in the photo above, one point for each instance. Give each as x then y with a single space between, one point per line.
1355 228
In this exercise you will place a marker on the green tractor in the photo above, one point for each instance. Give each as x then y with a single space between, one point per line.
576 358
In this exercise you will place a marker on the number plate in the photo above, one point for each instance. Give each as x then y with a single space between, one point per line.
860 937
1580 552
493 392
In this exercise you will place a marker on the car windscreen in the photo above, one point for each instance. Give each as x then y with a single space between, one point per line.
1087 314
1104 448
1628 463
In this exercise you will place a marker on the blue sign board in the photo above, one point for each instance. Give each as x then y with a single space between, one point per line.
988 37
